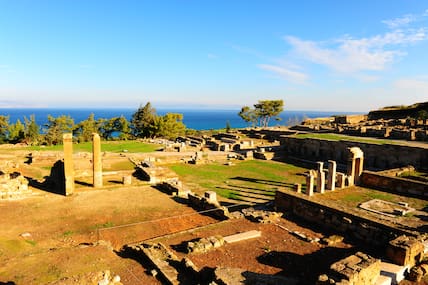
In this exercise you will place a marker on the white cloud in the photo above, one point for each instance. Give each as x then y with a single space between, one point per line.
212 56
349 55
405 20
401 21
289 75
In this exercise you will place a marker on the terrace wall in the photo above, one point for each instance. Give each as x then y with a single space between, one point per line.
355 226
376 156
394 184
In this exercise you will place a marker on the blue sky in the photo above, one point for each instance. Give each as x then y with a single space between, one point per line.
315 55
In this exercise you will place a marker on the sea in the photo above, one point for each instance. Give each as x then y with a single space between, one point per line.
197 119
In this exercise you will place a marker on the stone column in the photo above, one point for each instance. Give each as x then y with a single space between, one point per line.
331 179
310 184
340 180
96 161
298 187
321 182
320 177
68 163
355 165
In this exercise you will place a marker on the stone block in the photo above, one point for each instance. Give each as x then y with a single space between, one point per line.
357 269
242 236
298 187
127 180
406 251
383 280
395 272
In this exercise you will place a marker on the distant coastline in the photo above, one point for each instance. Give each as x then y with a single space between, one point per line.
198 119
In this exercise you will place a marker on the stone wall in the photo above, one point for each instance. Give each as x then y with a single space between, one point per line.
376 156
394 184
357 227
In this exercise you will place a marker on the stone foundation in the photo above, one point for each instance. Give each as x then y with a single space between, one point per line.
357 269
360 228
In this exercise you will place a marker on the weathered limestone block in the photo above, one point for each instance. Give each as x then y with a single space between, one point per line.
405 250
340 182
127 180
211 197
298 187
358 269
331 179
321 182
310 184
68 163
96 161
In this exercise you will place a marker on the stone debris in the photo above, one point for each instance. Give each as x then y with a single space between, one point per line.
332 240
13 185
235 276
417 273
205 244
262 216
93 278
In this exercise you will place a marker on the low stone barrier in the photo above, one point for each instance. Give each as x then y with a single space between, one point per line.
398 185
361 228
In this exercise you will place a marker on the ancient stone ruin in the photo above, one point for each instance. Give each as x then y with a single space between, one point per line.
13 185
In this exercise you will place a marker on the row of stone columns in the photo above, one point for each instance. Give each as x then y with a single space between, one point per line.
69 165
335 179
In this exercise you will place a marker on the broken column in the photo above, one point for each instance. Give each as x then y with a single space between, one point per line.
331 179
310 183
96 161
340 180
68 163
320 177
355 165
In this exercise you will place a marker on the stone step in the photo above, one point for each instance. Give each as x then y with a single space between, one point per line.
396 272
383 280
243 236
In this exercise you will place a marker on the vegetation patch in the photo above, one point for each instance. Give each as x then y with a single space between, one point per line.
252 176
338 137
109 146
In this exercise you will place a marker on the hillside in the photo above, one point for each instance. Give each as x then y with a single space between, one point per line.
400 112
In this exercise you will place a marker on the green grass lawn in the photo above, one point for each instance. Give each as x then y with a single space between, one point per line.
110 146
338 137
252 177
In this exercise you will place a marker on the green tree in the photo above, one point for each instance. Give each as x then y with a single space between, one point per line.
32 130
266 109
16 132
170 126
84 130
143 121
228 127
4 125
248 115
56 127
262 112
116 125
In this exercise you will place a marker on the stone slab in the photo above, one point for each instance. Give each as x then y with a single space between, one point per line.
242 236
383 280
396 272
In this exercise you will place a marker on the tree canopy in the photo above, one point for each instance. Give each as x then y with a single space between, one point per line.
143 121
262 112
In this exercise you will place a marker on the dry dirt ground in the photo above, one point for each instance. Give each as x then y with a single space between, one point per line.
48 237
